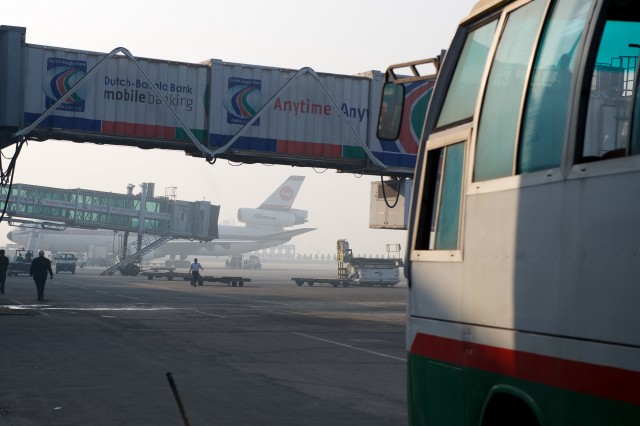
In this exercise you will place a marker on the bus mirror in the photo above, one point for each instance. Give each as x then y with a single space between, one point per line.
390 115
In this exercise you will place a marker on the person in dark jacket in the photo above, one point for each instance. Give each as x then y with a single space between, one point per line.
40 266
4 264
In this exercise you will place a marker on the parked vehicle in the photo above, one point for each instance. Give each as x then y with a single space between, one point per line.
253 262
65 262
234 262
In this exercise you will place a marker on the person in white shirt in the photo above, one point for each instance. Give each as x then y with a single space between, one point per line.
195 272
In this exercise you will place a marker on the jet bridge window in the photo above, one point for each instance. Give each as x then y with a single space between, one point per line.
613 111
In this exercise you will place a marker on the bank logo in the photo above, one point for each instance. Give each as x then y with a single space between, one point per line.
242 100
61 75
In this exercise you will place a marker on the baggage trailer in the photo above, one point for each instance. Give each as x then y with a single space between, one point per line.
336 282
230 281
170 276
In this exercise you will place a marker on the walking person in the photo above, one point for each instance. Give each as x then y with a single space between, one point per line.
195 272
40 266
4 264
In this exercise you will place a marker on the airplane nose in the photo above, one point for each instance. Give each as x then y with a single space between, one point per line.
10 236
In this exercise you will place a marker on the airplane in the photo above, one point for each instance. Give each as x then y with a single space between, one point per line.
264 227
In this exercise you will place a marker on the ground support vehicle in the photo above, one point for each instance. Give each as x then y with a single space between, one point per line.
367 272
170 276
252 263
358 271
20 264
234 262
65 262
177 263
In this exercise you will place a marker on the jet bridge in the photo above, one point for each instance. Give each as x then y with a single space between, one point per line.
155 220
214 109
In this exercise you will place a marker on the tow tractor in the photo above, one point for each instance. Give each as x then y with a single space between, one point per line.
21 263
359 271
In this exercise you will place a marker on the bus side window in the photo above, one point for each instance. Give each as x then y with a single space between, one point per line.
498 124
613 115
440 208
462 93
545 114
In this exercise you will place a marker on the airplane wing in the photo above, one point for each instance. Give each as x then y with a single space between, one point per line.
284 235
275 236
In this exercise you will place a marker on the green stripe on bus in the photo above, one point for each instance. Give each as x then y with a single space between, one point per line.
437 390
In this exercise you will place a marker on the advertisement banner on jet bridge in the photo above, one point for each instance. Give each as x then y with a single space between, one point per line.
399 155
300 126
118 102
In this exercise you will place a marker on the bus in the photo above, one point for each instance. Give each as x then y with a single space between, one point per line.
523 257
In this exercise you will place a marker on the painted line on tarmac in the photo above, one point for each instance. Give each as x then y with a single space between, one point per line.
203 313
350 347
248 299
43 307
128 297
19 306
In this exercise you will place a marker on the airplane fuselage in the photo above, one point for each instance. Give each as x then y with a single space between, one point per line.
264 227
232 240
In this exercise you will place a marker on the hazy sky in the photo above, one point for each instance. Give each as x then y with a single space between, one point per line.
332 36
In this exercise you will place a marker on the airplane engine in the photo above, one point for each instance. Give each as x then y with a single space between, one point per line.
272 218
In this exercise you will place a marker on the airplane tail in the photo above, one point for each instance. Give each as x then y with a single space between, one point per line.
284 196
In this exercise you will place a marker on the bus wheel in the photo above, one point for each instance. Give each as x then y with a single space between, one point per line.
508 410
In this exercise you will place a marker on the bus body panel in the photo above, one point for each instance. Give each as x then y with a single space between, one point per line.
525 310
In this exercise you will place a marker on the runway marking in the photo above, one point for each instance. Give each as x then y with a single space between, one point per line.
128 297
51 308
203 313
350 347
43 307
21 307
249 299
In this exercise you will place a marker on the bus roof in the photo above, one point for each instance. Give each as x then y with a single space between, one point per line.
482 6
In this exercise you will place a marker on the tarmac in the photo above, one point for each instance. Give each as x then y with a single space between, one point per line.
101 351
